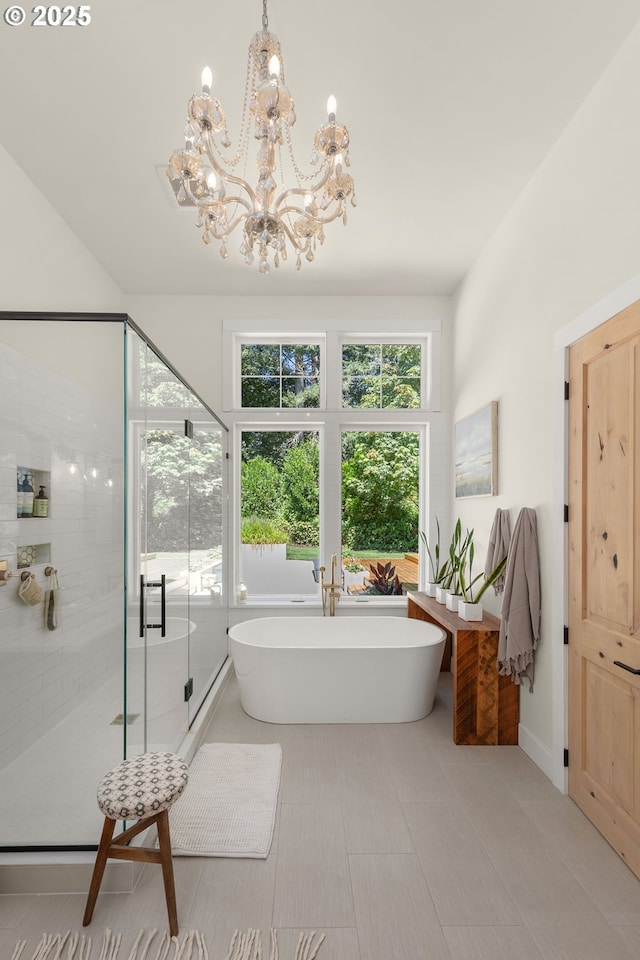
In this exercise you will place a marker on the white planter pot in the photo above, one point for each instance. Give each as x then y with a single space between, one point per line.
353 579
430 589
441 594
452 601
470 611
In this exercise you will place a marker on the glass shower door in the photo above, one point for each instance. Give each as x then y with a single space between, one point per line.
159 554
207 604
177 639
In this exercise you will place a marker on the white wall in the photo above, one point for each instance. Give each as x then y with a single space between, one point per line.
571 238
43 265
188 330
48 422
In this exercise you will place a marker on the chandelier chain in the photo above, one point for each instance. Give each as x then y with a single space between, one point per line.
245 123
301 177
265 18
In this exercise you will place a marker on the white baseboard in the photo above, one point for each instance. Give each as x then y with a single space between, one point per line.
535 751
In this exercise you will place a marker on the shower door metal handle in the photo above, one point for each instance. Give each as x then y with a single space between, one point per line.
162 626
626 666
141 634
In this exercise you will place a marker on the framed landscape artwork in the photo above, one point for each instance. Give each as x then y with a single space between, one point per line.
476 453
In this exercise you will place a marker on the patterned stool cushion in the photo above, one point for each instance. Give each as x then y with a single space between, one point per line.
142 786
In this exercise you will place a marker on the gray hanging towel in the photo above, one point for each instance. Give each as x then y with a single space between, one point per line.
520 623
498 549
51 603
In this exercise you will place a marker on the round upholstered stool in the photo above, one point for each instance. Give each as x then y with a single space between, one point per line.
143 789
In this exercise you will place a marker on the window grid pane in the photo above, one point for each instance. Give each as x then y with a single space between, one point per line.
280 375
381 375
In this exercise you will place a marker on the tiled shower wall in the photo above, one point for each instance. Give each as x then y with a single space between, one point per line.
49 423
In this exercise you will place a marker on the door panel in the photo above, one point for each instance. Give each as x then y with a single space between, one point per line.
604 580
157 654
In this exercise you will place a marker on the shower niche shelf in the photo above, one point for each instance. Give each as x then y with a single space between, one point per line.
39 478
32 554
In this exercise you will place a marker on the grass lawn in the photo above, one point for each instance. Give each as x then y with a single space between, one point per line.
310 553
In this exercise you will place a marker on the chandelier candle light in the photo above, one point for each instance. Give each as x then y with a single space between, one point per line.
203 177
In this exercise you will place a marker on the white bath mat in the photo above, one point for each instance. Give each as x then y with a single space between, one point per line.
228 808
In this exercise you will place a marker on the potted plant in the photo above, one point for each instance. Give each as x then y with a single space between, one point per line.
469 607
437 571
353 573
458 551
384 580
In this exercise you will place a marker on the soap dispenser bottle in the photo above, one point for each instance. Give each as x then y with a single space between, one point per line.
41 503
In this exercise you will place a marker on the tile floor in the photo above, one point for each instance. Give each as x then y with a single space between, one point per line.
396 843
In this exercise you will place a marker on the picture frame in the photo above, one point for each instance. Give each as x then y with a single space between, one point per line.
476 453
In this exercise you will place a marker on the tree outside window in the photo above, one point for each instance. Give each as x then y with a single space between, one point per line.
381 375
280 375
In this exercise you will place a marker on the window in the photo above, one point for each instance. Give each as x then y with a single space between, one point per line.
332 437
280 374
280 511
381 375
381 507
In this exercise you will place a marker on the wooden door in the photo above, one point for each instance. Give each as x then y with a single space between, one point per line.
604 580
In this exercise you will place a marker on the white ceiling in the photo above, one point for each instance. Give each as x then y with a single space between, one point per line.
452 105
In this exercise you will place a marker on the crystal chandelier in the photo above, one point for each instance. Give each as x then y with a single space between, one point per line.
272 217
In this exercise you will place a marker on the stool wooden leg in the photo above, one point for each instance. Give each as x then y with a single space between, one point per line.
164 845
98 870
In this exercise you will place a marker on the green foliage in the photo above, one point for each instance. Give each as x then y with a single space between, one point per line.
458 550
353 565
300 481
262 530
380 490
467 580
261 489
283 482
438 571
304 531
280 375
280 477
381 375
384 580
181 502
300 488
489 580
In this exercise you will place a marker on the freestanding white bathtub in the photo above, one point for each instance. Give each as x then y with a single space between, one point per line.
337 669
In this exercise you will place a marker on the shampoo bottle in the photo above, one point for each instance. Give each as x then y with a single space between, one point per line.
27 503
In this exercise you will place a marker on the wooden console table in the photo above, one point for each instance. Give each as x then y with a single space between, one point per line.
486 706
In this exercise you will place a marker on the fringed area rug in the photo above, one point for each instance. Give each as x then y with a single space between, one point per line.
243 946
228 808
75 946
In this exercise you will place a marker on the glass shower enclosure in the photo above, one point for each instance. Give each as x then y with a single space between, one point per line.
113 610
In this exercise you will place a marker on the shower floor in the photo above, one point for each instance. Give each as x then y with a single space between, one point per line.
48 795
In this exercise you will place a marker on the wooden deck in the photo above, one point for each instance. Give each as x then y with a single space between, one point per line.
406 567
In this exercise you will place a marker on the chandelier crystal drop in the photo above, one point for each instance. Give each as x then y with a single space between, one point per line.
272 217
